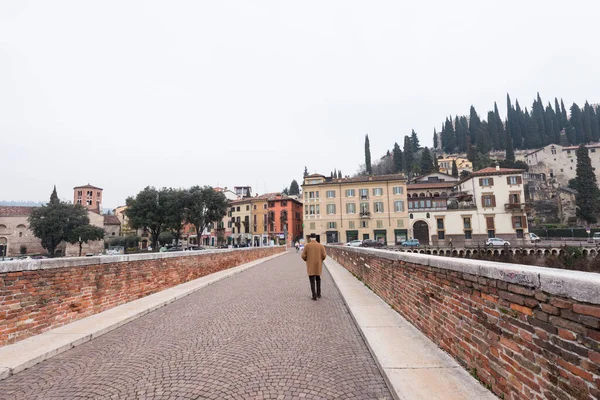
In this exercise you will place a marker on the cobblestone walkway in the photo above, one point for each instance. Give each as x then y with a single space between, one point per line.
255 335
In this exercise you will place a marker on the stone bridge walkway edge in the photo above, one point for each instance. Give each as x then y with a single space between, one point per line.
256 335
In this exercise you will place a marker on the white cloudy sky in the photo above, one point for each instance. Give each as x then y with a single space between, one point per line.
125 94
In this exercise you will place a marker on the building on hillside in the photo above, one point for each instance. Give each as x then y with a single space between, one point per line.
462 164
498 155
365 207
567 209
15 232
559 163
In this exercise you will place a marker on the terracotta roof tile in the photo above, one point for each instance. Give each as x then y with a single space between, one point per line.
357 179
495 171
88 186
440 185
15 211
111 220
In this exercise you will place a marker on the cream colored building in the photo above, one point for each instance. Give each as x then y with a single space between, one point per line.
366 207
462 164
489 203
241 219
559 163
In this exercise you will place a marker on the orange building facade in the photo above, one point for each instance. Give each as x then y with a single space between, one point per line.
284 219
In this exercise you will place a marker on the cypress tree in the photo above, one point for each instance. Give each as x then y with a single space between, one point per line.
397 156
415 141
340 174
510 151
408 155
500 128
588 194
54 197
474 126
450 136
368 167
520 126
435 139
454 169
436 166
550 136
462 134
426 161
493 129
577 123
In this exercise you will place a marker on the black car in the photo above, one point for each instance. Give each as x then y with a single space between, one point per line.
371 243
191 248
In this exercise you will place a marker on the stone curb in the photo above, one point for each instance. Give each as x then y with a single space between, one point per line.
435 359
31 351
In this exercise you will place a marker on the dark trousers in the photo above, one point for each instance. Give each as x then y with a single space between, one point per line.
317 279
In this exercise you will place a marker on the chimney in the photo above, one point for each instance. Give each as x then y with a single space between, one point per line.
497 167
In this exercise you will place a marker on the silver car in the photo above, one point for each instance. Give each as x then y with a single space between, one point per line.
497 242
354 243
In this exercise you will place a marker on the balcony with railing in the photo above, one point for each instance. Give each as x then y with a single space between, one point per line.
514 207
365 214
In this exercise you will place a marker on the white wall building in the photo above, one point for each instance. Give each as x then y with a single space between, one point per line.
489 203
559 163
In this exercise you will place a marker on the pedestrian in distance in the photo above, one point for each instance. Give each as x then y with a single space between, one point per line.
314 254
297 247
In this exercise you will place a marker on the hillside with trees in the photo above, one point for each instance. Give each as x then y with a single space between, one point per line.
522 128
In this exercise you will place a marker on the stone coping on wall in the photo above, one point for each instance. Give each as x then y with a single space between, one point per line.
578 285
69 262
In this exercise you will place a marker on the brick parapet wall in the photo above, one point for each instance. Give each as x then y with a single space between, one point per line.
39 295
526 332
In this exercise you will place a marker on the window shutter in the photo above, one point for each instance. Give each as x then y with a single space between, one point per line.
519 180
491 181
524 222
493 200
482 201
489 221
480 181
508 180
513 222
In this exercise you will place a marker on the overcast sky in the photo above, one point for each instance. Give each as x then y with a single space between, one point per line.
126 94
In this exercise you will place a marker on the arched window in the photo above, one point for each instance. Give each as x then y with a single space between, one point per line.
422 195
21 226
411 216
436 194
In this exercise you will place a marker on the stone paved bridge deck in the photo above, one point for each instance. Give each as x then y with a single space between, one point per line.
255 335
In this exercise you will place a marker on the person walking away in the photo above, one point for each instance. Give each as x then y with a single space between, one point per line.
297 246
314 254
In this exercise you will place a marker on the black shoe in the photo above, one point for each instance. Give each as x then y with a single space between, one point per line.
319 295
314 298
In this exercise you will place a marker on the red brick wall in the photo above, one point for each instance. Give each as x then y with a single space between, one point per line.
520 341
34 301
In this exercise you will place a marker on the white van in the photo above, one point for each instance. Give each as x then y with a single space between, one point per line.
534 238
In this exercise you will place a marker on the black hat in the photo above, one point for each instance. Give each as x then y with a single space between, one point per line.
312 235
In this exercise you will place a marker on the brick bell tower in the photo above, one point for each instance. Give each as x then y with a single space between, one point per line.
88 196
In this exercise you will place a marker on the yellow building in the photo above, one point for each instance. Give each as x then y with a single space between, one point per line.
463 164
260 211
365 207
241 215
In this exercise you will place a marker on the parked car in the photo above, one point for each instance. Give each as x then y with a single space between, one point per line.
410 243
354 243
497 242
595 238
534 238
371 243
192 248
175 248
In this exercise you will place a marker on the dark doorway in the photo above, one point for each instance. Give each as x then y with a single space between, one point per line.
421 232
332 237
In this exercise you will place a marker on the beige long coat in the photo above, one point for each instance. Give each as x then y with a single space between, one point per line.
314 254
